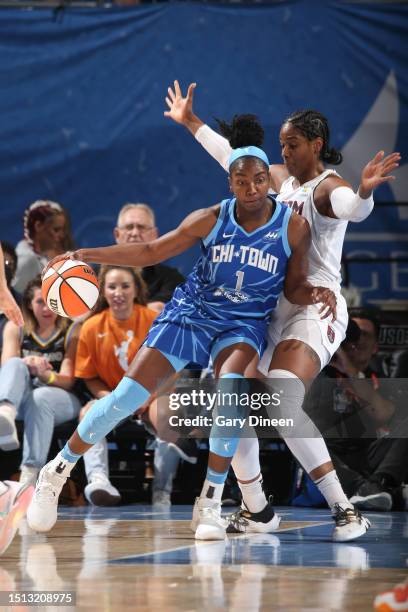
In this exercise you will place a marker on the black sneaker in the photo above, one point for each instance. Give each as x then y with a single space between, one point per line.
186 448
350 524
244 521
371 496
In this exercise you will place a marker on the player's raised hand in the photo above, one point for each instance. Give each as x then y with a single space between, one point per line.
327 298
9 306
180 108
377 171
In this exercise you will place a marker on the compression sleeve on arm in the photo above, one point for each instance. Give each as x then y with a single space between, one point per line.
350 206
215 144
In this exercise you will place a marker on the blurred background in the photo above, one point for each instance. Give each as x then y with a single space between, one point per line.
82 99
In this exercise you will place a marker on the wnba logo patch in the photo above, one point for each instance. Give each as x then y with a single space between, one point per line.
331 334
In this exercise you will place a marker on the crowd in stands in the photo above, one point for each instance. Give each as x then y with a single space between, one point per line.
54 369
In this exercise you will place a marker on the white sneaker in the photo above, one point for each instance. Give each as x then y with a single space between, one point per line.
244 521
350 524
8 432
42 512
28 475
161 498
100 492
207 522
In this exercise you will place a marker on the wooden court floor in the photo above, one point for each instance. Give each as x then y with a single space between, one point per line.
139 558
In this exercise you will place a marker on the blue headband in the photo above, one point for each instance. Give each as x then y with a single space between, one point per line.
248 152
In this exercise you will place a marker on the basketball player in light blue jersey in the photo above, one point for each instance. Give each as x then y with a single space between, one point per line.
252 249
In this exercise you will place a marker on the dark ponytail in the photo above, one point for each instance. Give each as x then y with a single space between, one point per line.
243 131
313 124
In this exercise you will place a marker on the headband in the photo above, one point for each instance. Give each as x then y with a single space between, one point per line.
248 152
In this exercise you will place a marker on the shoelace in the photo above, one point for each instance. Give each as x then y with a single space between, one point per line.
237 520
46 493
346 515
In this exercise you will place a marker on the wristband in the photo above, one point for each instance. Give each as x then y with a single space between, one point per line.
51 379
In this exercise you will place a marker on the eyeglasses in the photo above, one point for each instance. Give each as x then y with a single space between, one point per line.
131 226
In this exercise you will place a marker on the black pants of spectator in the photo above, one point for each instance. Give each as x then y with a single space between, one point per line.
383 457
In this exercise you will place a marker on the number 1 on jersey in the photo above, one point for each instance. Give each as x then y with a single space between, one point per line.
240 280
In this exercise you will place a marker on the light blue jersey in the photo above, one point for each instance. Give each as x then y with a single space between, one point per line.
232 291
241 274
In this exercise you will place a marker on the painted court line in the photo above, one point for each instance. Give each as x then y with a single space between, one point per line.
188 546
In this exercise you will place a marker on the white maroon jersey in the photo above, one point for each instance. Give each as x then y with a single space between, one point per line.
327 233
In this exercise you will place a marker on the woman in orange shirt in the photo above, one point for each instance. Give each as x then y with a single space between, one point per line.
107 344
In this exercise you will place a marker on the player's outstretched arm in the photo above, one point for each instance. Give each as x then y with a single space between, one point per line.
377 172
195 226
340 200
297 288
181 107
181 111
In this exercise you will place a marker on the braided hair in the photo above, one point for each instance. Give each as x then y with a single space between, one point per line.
313 124
41 210
243 131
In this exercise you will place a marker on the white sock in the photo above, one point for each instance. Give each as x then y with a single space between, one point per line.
61 466
253 495
331 489
3 488
212 491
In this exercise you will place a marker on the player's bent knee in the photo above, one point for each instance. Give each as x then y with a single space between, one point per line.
128 396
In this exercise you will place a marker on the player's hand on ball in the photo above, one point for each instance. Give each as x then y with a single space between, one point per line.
63 256
327 298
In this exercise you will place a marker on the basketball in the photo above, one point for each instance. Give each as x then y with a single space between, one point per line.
70 288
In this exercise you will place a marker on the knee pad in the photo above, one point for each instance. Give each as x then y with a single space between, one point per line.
303 438
288 393
128 396
107 412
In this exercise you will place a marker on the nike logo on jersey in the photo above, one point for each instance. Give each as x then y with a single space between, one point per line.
102 335
228 235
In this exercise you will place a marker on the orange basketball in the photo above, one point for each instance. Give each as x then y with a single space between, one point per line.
70 288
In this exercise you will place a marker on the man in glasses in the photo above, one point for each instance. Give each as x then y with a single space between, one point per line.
136 223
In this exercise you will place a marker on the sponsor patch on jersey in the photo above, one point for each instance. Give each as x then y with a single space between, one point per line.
331 334
237 297
272 236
